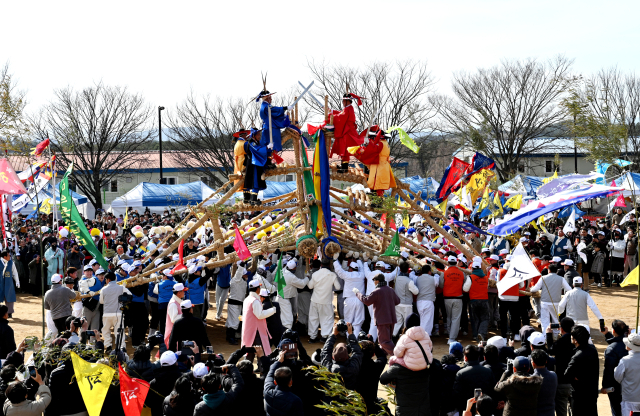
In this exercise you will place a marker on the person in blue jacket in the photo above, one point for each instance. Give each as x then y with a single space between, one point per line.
279 120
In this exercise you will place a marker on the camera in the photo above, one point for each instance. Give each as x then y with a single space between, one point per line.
250 350
341 326
90 333
209 349
125 298
554 326
155 339
477 393
32 371
188 344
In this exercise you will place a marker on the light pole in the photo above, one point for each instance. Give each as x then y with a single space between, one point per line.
160 108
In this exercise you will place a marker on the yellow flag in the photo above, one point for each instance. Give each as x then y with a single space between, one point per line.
443 206
478 183
93 381
631 279
534 225
550 178
514 202
45 207
126 216
497 206
541 223
485 200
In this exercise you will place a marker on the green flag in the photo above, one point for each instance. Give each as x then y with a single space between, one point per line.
71 216
279 279
394 247
310 189
405 139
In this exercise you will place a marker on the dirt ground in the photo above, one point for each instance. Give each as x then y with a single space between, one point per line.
614 303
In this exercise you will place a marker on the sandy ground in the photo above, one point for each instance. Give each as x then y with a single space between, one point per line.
614 303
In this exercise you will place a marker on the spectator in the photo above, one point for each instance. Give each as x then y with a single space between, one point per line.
164 379
17 403
216 401
7 341
627 373
472 376
520 389
246 402
414 347
278 398
484 406
188 328
546 397
75 258
55 260
562 350
583 371
612 356
112 316
35 276
180 401
369 374
337 360
141 366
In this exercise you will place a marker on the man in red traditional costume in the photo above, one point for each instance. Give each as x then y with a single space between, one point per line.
346 131
374 154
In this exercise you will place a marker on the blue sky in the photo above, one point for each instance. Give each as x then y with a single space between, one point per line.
165 49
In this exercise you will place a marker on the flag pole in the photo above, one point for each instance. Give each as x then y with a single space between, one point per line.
637 248
42 276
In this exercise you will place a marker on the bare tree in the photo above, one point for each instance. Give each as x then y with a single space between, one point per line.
13 127
508 111
400 90
100 130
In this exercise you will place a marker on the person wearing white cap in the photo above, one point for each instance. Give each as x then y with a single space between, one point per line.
188 328
427 284
354 278
322 282
509 305
254 319
237 292
453 283
627 373
287 303
89 284
56 302
405 289
112 315
197 285
550 287
575 302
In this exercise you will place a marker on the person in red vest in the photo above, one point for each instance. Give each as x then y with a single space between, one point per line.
479 301
346 131
509 303
254 324
453 283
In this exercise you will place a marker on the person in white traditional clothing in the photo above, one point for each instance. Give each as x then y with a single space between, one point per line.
321 309
576 301
237 293
354 278
550 287
290 292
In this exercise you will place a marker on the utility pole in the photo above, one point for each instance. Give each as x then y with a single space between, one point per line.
160 108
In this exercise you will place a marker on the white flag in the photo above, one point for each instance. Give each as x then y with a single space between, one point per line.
570 226
521 268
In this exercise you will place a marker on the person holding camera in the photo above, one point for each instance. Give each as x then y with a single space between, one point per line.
612 356
216 401
17 403
520 389
278 398
562 350
337 360
583 373
188 327
75 257
140 366
110 297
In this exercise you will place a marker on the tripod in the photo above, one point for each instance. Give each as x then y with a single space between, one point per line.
120 329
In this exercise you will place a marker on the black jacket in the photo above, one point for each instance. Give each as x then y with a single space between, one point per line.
472 376
66 398
279 400
348 369
226 405
436 386
562 350
367 380
612 355
188 328
163 382
583 371
412 390
521 393
7 341
185 408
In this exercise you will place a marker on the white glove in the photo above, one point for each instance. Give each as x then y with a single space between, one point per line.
350 254
366 141
239 263
18 285
355 290
566 247
291 107
92 293
335 256
270 146
374 259
365 256
356 255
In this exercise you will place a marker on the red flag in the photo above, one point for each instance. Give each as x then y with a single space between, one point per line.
133 392
392 224
180 265
620 202
451 178
240 246
37 151
9 181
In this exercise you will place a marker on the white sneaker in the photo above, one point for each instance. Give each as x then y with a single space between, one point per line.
516 338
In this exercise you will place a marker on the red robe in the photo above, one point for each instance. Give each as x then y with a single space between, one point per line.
345 133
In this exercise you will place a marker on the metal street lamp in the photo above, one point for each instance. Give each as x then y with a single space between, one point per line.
160 108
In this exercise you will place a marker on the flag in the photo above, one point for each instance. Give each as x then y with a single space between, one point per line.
521 269
133 393
620 202
180 264
31 172
497 205
465 204
49 168
72 217
480 162
405 139
310 192
550 178
279 279
325 182
45 206
468 227
451 178
93 380
631 279
443 206
240 246
40 147
484 202
9 181
126 216
392 224
394 247
316 177
570 226
514 202
478 183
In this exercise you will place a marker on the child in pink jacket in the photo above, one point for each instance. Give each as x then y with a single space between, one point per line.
407 353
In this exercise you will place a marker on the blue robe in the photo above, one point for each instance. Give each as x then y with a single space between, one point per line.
255 166
7 288
279 120
557 248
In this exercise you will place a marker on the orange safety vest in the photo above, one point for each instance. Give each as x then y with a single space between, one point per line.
479 287
453 282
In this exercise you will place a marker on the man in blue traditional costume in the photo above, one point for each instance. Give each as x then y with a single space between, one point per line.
255 161
271 137
560 245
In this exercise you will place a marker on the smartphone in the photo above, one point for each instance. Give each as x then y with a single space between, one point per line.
90 333
209 350
477 393
32 371
554 326
602 325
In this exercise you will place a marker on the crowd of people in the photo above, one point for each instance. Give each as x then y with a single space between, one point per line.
387 313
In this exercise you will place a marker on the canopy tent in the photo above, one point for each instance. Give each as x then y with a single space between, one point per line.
521 184
424 187
46 193
159 197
